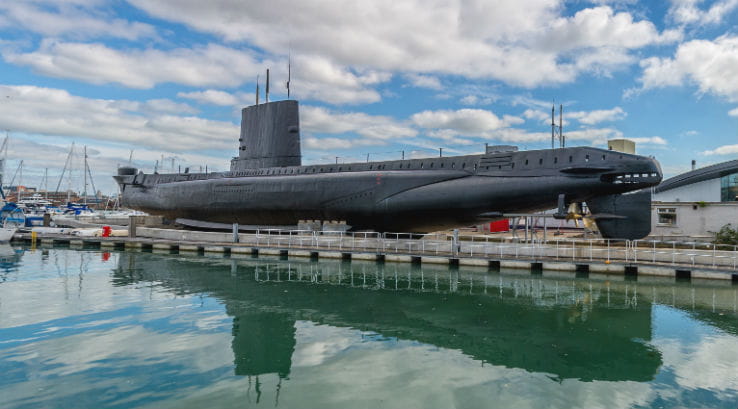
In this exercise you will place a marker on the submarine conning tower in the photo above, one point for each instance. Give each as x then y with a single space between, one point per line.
270 136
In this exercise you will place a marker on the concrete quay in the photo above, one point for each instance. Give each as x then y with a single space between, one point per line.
160 240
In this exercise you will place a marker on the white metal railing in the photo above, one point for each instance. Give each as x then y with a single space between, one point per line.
435 244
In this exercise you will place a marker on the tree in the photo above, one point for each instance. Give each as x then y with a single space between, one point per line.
727 235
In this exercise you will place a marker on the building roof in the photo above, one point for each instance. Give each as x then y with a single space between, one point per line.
698 175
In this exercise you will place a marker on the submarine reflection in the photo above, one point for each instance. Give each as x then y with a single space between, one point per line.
566 328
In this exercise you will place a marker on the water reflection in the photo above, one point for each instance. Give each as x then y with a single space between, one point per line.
98 329
567 328
9 259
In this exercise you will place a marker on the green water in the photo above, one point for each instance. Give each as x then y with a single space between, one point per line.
88 329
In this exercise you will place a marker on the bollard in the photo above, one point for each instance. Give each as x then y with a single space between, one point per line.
131 226
34 236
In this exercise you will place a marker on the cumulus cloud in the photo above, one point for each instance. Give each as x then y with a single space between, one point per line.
424 81
150 124
651 140
357 128
722 150
526 43
597 116
70 19
733 112
465 121
537 115
687 11
99 64
475 100
313 77
211 96
711 65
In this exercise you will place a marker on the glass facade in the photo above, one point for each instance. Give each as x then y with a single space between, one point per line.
729 188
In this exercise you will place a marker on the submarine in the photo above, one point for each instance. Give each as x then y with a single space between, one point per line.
267 185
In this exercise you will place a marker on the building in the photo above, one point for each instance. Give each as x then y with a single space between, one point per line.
696 204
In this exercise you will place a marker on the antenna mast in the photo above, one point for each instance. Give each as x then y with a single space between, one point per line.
553 126
267 87
289 74
257 89
557 130
562 138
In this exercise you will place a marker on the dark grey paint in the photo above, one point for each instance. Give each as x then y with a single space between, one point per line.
416 195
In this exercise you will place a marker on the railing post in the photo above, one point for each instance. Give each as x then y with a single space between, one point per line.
654 251
573 249
635 251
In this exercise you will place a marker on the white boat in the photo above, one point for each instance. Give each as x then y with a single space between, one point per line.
6 233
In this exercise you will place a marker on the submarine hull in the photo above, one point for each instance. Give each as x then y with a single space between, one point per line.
268 186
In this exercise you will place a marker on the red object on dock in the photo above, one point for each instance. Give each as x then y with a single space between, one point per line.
499 226
106 230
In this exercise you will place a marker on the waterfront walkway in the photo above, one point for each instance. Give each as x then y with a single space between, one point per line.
681 260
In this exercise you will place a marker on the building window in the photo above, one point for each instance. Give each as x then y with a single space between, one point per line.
729 188
667 216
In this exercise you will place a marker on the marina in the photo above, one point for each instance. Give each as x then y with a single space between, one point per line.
263 331
321 204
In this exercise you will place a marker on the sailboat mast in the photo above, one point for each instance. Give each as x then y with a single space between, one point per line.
84 193
20 179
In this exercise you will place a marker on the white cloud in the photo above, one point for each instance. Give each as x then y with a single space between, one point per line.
686 11
70 19
722 150
711 65
99 64
54 112
538 115
465 121
525 43
424 81
476 100
372 129
313 77
651 140
330 143
514 135
211 96
602 27
322 79
733 112
512 120
597 116
597 136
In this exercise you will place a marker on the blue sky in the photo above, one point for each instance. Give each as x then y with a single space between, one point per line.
168 78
